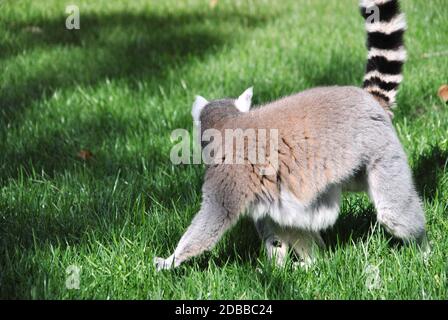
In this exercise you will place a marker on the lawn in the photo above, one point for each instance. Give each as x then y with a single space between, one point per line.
120 85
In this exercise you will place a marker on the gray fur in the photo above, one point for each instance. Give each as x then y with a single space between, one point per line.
333 139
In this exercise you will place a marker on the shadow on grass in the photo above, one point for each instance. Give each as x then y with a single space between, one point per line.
243 245
350 228
429 168
133 47
136 48
108 46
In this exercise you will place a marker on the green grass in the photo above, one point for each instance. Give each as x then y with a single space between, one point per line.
122 83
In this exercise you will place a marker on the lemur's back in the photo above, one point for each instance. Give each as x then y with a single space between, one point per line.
325 136
342 108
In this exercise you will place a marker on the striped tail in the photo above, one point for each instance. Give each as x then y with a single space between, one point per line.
385 25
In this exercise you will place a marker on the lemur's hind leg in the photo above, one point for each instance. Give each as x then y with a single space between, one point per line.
276 246
392 190
306 244
205 230
307 241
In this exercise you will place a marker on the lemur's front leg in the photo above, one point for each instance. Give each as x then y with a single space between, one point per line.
205 230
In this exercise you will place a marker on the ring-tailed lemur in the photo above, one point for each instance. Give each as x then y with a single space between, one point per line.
330 139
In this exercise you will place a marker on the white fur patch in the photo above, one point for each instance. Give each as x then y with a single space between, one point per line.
244 101
288 211
384 77
197 107
390 94
371 3
391 55
397 23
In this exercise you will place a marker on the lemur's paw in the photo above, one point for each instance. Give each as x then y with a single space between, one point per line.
163 264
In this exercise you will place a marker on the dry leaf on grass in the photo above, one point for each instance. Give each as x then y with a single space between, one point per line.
85 155
443 93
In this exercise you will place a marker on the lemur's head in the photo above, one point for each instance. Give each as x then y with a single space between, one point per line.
202 108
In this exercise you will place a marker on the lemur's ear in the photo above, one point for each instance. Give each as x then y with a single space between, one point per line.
198 104
244 101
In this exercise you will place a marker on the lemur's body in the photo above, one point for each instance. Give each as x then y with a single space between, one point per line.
329 140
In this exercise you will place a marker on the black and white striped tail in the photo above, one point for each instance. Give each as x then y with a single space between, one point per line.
386 49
